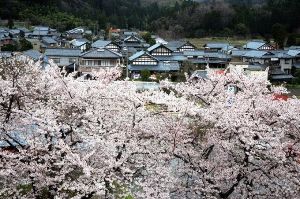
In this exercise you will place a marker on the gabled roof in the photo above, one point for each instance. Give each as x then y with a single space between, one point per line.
101 43
175 45
155 46
139 54
49 40
255 45
63 52
257 54
79 42
160 40
132 36
101 53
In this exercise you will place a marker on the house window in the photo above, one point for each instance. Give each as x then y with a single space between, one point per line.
88 62
286 61
97 62
287 71
105 63
72 60
56 60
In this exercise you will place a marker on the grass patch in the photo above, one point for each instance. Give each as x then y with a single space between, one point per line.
199 42
297 86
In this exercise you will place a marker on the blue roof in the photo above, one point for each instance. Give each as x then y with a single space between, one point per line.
227 48
254 45
63 52
162 66
157 46
200 74
100 43
40 32
175 44
217 45
194 53
218 55
171 58
205 61
133 36
257 54
49 40
294 48
34 54
139 54
294 53
282 54
79 42
101 53
128 33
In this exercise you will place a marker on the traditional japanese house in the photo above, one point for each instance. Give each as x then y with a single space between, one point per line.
181 46
258 45
64 57
107 44
144 61
98 58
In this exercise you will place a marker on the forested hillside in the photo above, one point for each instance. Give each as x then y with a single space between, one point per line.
181 18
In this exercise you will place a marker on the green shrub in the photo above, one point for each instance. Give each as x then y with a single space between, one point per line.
145 74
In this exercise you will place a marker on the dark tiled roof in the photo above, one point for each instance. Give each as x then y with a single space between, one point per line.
63 52
101 53
157 46
139 54
34 54
49 40
100 44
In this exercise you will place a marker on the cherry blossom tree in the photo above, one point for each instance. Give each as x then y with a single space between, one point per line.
66 138
82 138
245 144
